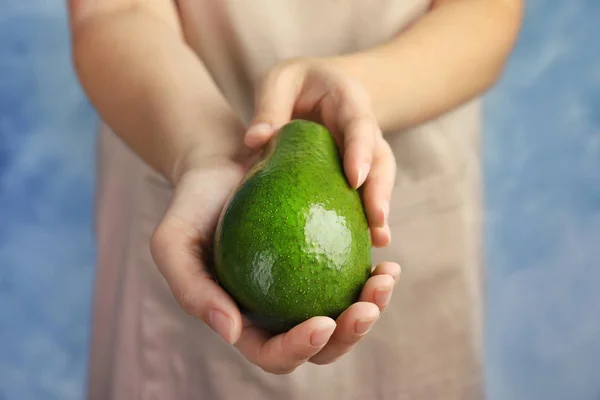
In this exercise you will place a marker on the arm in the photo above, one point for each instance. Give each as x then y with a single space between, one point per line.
155 94
451 55
147 84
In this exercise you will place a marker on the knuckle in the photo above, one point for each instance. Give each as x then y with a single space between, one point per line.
378 132
383 146
384 153
278 370
281 72
353 89
187 300
299 355
354 145
303 354
158 240
342 91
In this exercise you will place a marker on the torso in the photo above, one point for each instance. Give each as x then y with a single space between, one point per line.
426 345
239 40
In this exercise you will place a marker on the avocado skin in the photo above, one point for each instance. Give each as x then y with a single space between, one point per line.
293 240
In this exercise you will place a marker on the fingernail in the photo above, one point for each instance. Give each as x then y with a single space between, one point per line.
396 274
385 208
364 325
362 174
220 323
320 336
383 296
259 129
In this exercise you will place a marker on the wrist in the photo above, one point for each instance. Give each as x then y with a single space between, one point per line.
221 141
377 71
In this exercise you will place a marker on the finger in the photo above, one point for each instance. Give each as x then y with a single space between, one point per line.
381 237
174 248
388 268
283 353
275 98
352 325
359 139
378 290
359 129
377 191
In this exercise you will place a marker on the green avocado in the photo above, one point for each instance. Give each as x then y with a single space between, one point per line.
293 240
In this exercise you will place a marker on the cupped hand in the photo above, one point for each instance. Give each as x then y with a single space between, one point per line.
319 90
181 247
182 244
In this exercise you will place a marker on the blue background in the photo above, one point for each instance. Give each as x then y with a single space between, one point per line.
542 163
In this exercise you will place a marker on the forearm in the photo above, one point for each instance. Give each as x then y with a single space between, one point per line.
451 55
152 90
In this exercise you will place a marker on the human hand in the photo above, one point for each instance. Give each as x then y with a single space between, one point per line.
181 247
318 90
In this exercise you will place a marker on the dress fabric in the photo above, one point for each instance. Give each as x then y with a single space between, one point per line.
427 344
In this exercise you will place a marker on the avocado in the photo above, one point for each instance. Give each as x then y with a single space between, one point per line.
293 241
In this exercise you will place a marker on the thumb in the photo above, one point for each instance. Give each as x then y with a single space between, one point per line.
178 260
179 249
274 105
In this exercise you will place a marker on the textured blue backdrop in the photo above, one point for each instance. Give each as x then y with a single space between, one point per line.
543 209
542 223
46 172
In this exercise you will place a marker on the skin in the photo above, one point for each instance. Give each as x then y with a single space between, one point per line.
456 52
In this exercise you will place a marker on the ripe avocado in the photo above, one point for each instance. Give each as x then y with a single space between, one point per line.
293 240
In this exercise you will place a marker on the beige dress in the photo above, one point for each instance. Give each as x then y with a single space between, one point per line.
426 345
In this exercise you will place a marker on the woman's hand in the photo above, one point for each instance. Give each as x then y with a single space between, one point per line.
317 90
181 248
